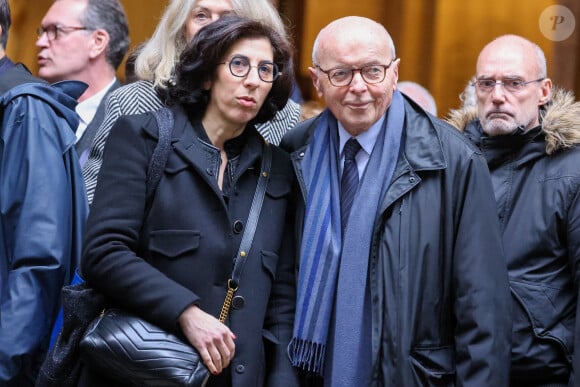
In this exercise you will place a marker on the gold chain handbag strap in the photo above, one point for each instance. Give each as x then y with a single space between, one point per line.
249 231
228 301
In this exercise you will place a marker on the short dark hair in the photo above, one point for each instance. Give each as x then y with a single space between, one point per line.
5 22
109 15
199 61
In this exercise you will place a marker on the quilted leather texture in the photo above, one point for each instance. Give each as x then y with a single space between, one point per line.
131 350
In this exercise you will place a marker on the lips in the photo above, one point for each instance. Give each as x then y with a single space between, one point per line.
357 105
498 114
41 60
247 101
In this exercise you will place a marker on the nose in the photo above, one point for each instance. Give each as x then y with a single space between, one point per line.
498 92
358 84
252 79
42 40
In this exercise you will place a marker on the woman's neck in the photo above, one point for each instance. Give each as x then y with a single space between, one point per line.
219 131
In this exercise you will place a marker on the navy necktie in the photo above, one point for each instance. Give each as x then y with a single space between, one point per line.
349 181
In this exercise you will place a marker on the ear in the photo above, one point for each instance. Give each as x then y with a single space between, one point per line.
207 85
395 66
100 43
316 81
545 92
2 51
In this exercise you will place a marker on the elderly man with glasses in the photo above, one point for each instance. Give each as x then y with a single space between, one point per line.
529 132
84 40
402 280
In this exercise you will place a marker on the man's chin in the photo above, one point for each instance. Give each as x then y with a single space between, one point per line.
498 127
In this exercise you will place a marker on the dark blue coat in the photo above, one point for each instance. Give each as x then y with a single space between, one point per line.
43 208
182 254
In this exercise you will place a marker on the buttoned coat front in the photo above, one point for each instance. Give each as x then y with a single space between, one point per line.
182 252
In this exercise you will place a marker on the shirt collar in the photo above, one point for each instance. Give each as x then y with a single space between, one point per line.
87 108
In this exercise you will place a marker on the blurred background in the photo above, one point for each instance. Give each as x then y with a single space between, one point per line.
437 40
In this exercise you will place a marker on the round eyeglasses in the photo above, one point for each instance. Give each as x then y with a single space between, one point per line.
513 85
240 67
371 74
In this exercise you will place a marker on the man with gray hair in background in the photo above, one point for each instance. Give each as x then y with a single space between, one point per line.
84 40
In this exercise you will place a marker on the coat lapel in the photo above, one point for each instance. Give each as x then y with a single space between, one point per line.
86 140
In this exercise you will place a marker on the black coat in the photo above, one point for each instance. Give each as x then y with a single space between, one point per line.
536 180
437 275
182 254
538 203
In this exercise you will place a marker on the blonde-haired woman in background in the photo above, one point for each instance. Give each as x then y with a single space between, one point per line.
155 66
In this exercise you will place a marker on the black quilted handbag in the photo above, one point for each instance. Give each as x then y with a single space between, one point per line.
128 348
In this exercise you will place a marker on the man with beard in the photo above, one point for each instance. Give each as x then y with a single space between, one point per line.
529 133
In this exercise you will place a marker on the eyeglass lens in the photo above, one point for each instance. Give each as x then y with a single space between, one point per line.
240 67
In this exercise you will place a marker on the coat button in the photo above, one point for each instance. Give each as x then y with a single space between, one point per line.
412 179
240 369
209 171
238 302
238 226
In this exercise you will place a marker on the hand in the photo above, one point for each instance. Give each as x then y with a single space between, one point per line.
213 340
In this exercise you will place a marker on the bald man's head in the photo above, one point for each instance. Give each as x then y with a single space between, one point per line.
343 28
516 68
355 71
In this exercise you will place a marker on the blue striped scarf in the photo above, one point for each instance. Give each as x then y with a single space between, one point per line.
321 249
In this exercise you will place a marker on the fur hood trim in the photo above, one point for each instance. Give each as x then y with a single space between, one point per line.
560 120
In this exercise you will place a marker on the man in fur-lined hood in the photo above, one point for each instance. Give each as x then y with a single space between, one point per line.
529 133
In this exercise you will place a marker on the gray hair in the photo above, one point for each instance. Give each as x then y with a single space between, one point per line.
109 15
540 61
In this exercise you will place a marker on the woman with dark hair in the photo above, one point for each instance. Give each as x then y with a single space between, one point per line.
155 63
168 259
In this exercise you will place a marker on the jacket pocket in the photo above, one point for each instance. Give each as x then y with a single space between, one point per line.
173 243
433 366
269 263
278 187
545 309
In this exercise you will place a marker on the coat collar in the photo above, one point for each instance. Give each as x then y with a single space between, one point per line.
422 149
521 147
560 119
193 150
422 144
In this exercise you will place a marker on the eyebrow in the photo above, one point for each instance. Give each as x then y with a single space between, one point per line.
204 8
510 76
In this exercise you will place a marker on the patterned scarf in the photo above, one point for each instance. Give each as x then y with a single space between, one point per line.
321 250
